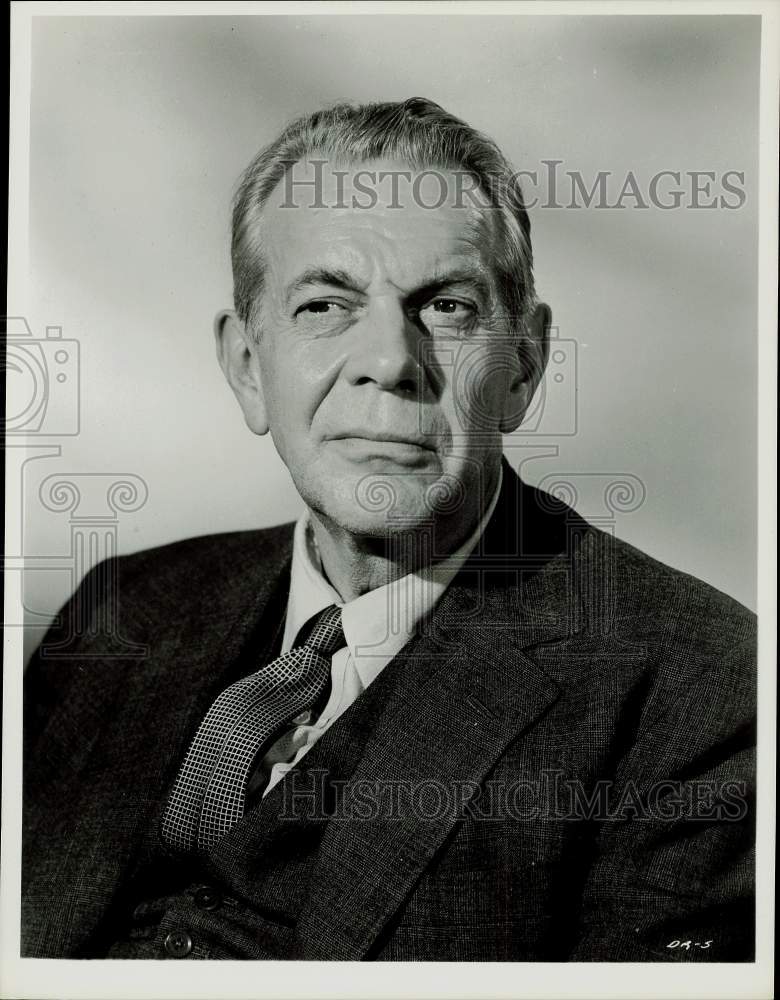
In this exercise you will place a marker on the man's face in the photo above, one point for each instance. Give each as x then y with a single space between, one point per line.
380 360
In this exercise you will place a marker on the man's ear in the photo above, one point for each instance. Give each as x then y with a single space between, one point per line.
533 351
238 360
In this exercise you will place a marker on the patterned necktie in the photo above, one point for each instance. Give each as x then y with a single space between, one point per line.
208 797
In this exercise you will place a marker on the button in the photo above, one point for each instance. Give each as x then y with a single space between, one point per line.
178 944
208 898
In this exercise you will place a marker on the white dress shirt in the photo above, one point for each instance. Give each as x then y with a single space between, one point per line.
377 625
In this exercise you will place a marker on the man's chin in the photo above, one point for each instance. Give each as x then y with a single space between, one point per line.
383 505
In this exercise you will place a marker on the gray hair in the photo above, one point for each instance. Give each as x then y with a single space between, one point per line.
416 131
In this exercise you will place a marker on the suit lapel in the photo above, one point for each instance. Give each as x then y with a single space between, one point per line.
464 689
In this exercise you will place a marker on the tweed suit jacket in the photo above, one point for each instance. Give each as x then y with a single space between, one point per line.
559 765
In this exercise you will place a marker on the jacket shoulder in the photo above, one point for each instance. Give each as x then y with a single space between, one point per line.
155 587
653 599
208 564
207 555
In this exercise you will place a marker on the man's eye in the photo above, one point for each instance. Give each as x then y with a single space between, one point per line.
451 307
447 312
320 307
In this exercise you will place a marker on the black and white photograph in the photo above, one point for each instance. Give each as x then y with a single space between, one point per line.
390 504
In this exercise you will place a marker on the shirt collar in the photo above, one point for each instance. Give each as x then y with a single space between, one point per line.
380 622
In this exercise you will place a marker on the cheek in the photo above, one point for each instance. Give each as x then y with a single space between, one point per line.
480 387
295 381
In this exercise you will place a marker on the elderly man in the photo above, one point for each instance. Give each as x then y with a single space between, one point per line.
441 716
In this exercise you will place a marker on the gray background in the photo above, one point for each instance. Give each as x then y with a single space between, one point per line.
140 127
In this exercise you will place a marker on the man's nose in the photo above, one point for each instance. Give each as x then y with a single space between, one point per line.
386 349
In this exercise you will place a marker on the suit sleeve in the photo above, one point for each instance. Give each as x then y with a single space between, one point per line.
672 878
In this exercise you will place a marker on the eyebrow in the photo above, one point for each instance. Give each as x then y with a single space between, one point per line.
334 277
467 277
338 278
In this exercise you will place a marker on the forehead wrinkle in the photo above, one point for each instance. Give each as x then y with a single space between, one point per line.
391 245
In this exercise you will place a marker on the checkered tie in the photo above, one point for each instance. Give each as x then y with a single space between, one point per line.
208 797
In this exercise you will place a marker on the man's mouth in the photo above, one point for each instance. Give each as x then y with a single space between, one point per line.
364 445
414 440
